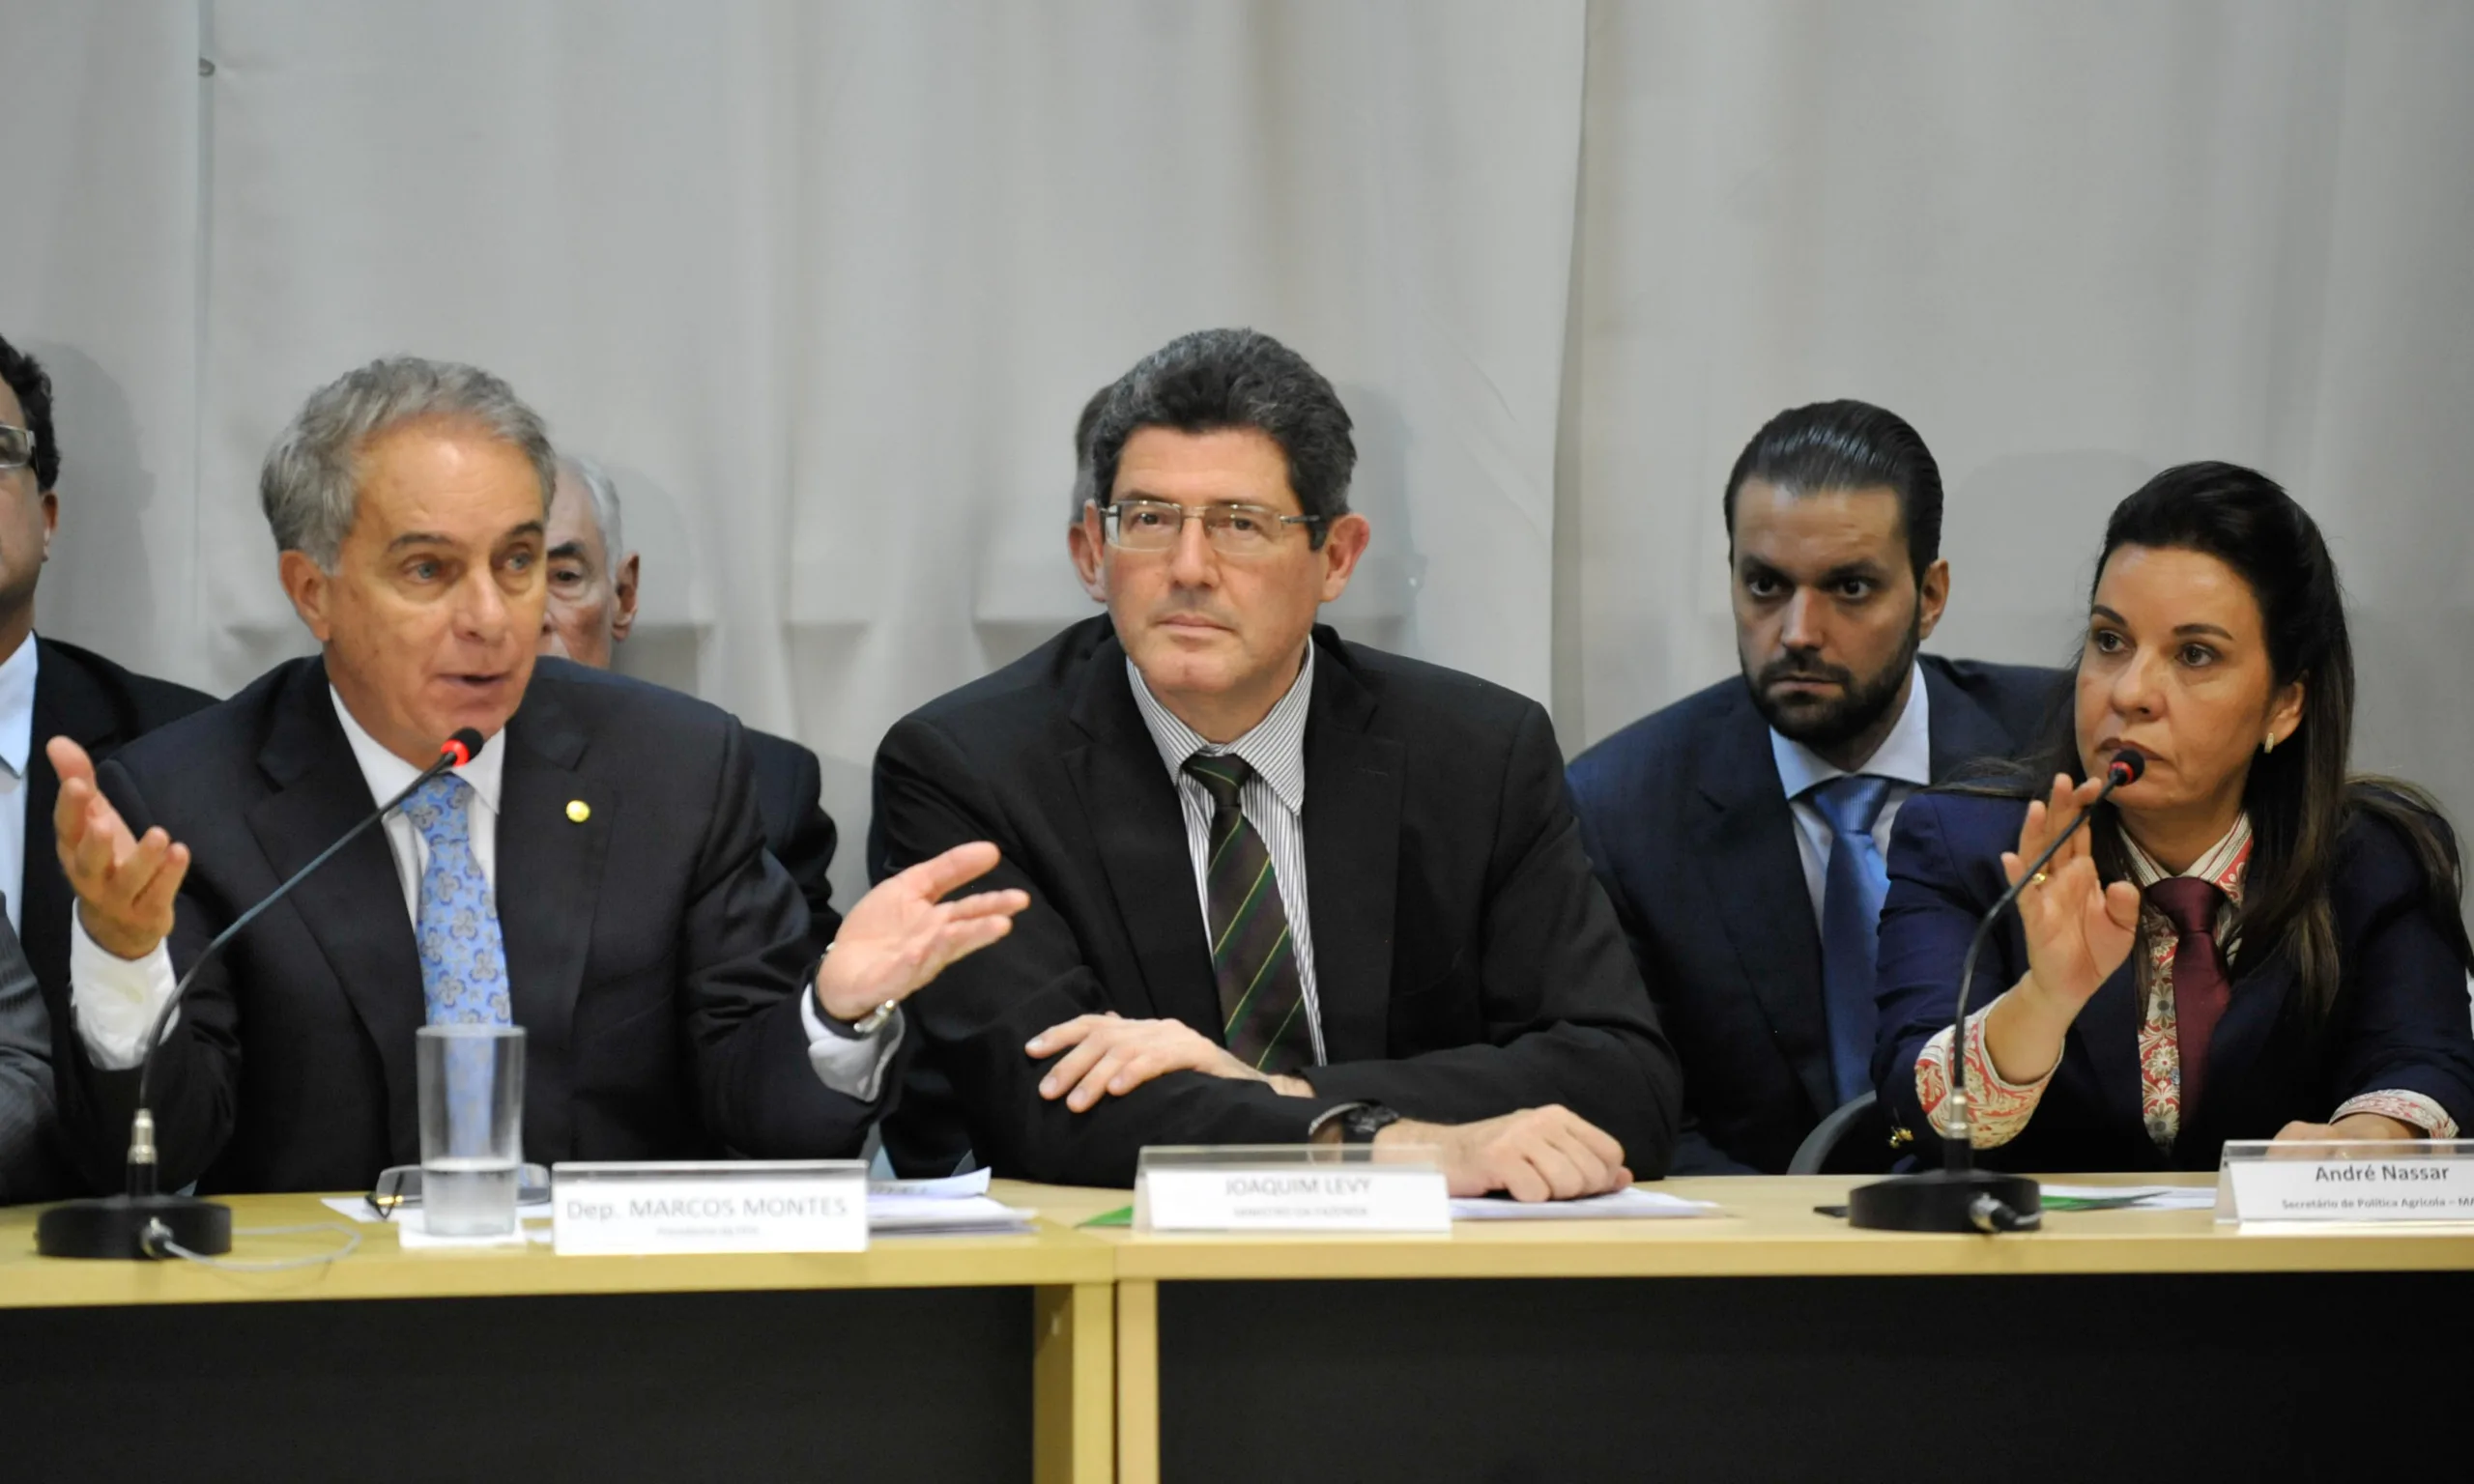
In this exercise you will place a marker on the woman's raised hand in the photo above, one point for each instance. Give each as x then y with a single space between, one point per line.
2078 930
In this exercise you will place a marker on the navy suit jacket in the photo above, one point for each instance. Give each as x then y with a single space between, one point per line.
2400 1019
1690 832
655 949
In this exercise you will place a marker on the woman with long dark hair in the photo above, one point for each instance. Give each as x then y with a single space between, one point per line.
2249 942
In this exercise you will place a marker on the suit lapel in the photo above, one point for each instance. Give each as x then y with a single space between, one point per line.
353 905
1139 830
2108 1032
1352 822
549 872
2243 1040
1963 732
1744 832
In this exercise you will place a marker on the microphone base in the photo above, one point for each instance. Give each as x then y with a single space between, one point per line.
1947 1201
116 1227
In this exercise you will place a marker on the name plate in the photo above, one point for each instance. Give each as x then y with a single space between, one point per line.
2429 1181
1288 1188
640 1210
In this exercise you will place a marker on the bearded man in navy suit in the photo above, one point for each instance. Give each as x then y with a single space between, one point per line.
1743 831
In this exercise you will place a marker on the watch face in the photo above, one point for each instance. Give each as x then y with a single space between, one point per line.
1359 1125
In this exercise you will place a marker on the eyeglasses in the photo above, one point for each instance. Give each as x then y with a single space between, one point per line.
1233 531
16 447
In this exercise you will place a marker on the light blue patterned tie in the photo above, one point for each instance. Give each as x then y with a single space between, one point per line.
463 957
1851 915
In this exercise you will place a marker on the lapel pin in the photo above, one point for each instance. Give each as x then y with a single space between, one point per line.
579 811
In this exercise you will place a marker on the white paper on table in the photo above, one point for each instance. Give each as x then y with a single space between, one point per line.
944 1187
357 1207
1630 1202
2141 1197
909 1215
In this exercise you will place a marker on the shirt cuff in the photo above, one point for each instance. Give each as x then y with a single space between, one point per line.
114 1000
852 1066
2000 1108
2423 1113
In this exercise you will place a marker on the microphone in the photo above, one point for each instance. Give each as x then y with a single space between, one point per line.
142 1222
1959 1197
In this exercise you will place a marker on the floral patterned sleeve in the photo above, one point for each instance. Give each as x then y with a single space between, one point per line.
2423 1113
2001 1109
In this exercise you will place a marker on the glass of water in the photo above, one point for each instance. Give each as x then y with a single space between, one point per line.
471 1096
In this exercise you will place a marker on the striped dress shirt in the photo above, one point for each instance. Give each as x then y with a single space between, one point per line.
1274 800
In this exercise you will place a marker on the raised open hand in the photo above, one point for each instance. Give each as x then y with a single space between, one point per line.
904 933
2078 930
125 884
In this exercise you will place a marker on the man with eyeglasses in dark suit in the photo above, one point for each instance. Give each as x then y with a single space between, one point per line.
1167 779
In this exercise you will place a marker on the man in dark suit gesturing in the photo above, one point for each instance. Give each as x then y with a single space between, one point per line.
596 875
1283 885
1743 831
593 577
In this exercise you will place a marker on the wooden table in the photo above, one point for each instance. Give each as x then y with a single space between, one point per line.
928 1358
1768 1343
1775 1342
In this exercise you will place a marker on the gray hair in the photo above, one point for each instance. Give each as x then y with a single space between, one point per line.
1086 489
311 484
605 503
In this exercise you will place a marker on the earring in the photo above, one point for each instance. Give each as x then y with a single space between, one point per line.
2271 745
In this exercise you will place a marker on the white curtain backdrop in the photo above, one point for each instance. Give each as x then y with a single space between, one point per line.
824 285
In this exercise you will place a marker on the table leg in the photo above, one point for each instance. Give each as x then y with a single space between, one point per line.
1137 1382
1073 1384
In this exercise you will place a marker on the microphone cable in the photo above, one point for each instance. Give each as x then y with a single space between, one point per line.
158 1239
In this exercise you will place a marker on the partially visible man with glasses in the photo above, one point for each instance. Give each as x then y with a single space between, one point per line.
1283 887
47 689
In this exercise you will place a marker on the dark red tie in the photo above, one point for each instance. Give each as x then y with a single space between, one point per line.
2200 988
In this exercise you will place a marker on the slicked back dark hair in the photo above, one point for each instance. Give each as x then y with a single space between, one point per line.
1213 379
1848 446
27 378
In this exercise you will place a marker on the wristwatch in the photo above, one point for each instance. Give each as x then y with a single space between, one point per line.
1361 1123
861 1029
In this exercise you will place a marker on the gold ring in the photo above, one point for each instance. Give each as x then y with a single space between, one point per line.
2038 879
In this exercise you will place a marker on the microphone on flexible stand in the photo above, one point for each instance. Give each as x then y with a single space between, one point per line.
142 1222
1959 1197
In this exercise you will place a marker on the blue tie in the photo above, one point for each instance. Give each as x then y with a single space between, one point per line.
463 957
1851 915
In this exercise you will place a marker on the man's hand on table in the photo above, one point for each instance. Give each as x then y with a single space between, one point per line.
1107 1056
1548 1153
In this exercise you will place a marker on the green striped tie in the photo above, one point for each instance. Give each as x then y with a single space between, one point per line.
1261 1006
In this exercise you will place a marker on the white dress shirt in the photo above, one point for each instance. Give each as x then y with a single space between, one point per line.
1274 802
116 999
17 750
1905 757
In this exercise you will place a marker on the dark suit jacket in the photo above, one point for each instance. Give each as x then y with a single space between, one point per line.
790 787
30 1167
2400 1021
1690 831
1466 963
101 707
655 949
